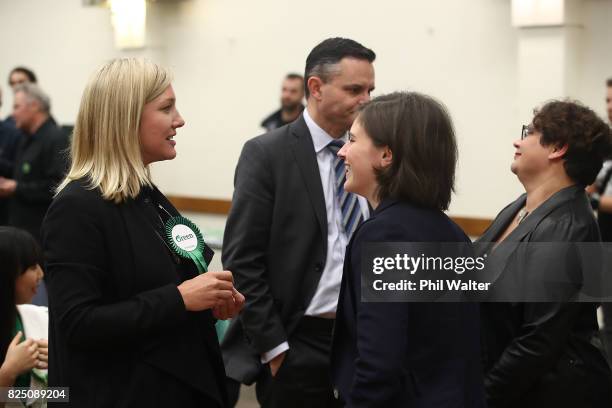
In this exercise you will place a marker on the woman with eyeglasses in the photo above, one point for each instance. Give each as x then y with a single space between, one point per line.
540 352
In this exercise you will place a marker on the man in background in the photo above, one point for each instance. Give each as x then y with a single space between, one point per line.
18 76
40 161
292 93
9 138
39 164
21 75
601 200
286 235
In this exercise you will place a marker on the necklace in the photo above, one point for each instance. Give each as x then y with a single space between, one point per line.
523 213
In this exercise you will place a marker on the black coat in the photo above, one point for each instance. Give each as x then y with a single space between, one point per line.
410 355
40 164
119 334
9 139
275 243
542 354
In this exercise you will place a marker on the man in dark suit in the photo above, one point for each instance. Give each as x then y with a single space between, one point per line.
39 163
38 166
286 235
9 138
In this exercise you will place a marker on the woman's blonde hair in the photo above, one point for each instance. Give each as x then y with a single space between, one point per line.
105 145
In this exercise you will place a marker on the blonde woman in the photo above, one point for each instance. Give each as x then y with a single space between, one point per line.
131 310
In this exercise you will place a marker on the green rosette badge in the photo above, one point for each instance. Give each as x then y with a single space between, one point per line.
186 241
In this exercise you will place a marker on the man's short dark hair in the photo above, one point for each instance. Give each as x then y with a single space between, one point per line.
25 71
420 134
588 138
609 83
323 58
293 75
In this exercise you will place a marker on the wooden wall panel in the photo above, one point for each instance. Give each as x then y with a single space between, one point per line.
474 227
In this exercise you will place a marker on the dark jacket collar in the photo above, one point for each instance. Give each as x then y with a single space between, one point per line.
306 159
44 128
531 222
384 205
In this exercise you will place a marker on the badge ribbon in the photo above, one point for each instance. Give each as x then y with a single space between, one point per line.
186 241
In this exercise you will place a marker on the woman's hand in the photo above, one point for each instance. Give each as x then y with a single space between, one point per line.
205 291
20 358
229 308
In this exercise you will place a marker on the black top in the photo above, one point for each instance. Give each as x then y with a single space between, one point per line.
542 354
119 335
40 164
402 354
9 139
275 120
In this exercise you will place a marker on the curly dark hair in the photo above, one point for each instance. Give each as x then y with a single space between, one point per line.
589 139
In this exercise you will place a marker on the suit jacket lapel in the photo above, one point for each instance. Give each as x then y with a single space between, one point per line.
502 220
534 219
304 153
520 235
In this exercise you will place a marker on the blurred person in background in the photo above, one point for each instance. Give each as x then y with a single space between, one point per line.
39 164
9 139
18 76
21 75
601 200
40 160
292 94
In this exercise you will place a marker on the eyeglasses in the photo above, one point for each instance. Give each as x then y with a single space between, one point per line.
526 131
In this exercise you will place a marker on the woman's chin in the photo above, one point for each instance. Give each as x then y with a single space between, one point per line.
349 187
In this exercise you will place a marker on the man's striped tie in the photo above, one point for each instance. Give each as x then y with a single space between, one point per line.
349 204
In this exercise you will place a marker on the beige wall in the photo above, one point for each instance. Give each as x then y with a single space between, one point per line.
229 56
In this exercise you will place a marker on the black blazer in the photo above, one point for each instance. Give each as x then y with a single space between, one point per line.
40 165
404 354
541 354
275 243
119 334
9 140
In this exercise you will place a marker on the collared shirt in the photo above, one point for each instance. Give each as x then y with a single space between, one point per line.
325 300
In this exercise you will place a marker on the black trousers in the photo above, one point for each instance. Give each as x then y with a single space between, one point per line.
304 378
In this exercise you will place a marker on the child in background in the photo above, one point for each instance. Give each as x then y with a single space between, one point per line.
23 327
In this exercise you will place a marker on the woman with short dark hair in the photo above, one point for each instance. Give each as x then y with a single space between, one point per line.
542 354
401 156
